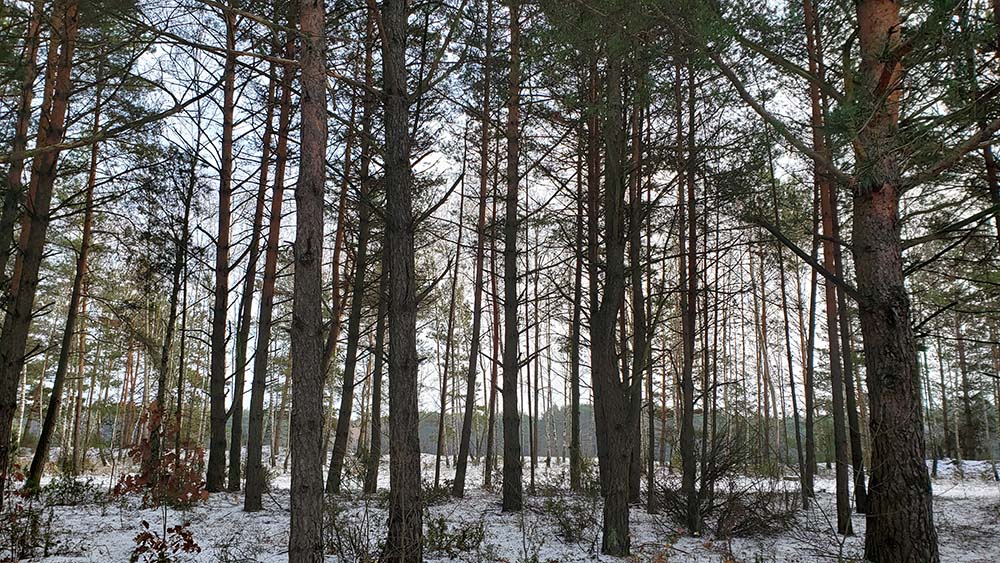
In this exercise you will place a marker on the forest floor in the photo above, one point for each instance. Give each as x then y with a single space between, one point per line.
555 527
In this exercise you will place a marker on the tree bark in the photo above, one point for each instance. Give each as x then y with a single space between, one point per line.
358 291
512 463
41 456
614 396
575 458
255 432
900 525
404 541
840 444
450 334
12 196
163 364
846 346
458 488
495 351
814 50
305 542
640 330
968 435
51 130
689 315
216 470
249 286
800 455
375 451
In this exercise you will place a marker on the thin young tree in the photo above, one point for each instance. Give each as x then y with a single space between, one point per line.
375 449
255 432
689 304
358 291
513 496
458 487
249 287
41 455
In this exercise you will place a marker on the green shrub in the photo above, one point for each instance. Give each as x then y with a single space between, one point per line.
464 538
70 491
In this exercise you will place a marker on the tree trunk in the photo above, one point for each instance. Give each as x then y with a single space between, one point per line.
689 315
358 291
12 195
458 489
900 525
76 461
305 542
814 50
512 463
404 542
375 451
74 309
614 397
336 300
249 286
496 358
968 435
255 432
575 458
800 457
51 130
640 330
853 424
450 333
163 364
216 471
840 444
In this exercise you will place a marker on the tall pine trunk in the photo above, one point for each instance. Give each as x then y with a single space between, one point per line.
249 287
458 488
512 463
51 130
614 397
900 525
76 296
255 431
841 446
689 316
358 290
575 458
12 195
305 542
404 541
216 471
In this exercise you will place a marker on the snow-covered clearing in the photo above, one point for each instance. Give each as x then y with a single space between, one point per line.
967 514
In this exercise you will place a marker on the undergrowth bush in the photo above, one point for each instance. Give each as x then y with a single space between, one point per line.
464 538
174 479
433 496
732 507
356 537
572 515
166 547
67 490
24 526
241 545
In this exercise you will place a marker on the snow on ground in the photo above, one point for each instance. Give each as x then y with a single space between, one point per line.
967 514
